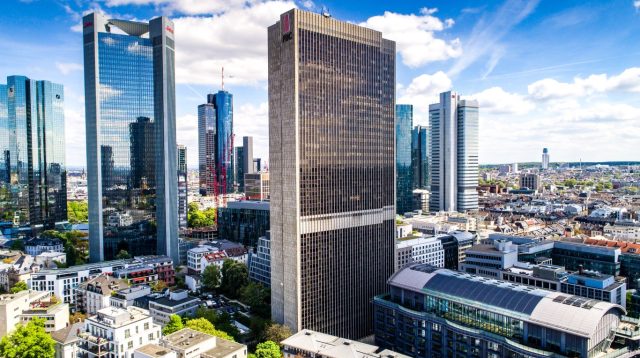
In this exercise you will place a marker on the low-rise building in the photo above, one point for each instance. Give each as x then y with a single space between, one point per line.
419 249
36 246
189 343
154 351
95 294
51 259
125 297
490 259
194 257
23 306
117 332
311 344
178 302
67 340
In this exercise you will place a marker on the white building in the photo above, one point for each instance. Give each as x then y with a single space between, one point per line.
179 302
117 219
23 306
403 229
310 344
194 257
545 159
124 297
188 343
490 259
67 340
630 231
95 294
420 249
36 246
213 258
119 331
48 259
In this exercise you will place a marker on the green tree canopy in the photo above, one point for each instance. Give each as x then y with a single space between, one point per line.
257 297
123 254
268 349
78 212
174 325
234 276
204 326
211 277
222 321
19 286
199 218
30 341
277 332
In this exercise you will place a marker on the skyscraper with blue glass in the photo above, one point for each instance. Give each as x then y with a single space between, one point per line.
420 157
404 170
131 137
215 141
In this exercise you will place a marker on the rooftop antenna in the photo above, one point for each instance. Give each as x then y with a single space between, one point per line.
223 78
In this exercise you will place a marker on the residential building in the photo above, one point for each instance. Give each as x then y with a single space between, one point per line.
260 261
33 151
420 157
11 305
243 221
152 350
404 167
214 258
131 170
530 181
67 340
215 144
545 159
622 231
419 249
434 312
188 343
178 302
95 294
256 186
36 246
183 187
125 297
454 153
118 331
23 306
331 200
194 258
310 344
51 259
489 259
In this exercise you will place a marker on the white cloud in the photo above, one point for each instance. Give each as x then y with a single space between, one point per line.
488 32
189 7
253 120
67 67
551 89
414 36
495 100
74 128
236 40
107 92
422 91
636 4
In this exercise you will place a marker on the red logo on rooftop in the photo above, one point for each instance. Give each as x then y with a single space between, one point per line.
87 24
168 28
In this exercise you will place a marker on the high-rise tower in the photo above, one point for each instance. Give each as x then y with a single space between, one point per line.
215 144
331 152
131 136
454 154
420 157
182 186
404 170
545 159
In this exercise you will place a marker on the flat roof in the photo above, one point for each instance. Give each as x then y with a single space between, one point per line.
223 348
186 337
154 350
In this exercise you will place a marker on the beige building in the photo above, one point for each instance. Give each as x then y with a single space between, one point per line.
23 306
95 294
188 343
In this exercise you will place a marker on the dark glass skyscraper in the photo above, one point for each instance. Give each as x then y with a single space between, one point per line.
131 137
331 150
404 170
420 157
33 171
182 187
215 140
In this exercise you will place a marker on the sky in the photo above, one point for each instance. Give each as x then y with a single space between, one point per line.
558 74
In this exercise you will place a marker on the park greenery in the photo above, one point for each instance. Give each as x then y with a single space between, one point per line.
200 324
76 246
267 349
77 212
19 286
200 218
28 341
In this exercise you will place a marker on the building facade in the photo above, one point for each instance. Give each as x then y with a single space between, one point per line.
32 145
530 181
243 221
256 186
545 158
260 261
420 157
183 187
424 250
404 169
215 144
131 136
454 153
332 169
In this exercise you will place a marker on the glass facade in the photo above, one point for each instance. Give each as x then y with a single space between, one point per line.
130 130
404 170
332 165
32 165
238 168
420 157
215 140
182 187
243 222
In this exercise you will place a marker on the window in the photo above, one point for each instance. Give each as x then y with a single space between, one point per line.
130 344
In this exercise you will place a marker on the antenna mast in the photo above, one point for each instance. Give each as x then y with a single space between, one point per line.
223 78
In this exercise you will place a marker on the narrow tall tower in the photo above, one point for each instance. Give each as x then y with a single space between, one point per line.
454 151
129 81
545 159
331 152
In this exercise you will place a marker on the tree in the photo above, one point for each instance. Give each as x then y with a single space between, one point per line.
268 349
221 321
257 297
211 277
77 317
199 218
234 276
78 211
17 245
204 326
277 332
123 254
158 286
30 341
19 286
174 325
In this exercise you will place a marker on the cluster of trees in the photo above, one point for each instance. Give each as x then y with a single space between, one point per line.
233 281
75 245
77 212
200 218
19 286
30 340
599 186
200 324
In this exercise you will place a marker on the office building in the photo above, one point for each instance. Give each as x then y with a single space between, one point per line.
310 344
215 144
178 302
238 168
256 186
419 249
420 157
117 332
404 168
331 152
454 153
183 187
489 259
131 136
545 158
530 181
257 165
244 221
32 145
260 261
23 306
438 313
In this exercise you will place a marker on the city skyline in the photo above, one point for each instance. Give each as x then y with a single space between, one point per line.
522 89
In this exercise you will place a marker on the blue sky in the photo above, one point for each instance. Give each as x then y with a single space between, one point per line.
557 74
